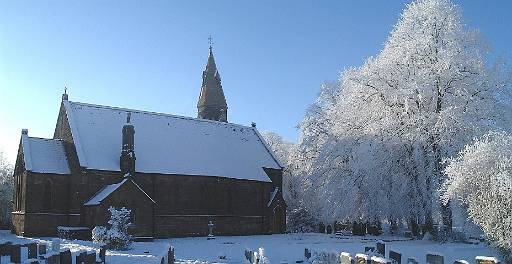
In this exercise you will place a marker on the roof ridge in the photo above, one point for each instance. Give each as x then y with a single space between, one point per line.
158 114
49 139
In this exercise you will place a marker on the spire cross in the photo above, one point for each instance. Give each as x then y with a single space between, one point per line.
210 40
65 89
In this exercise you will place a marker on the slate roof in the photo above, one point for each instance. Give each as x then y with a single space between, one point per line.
44 155
169 144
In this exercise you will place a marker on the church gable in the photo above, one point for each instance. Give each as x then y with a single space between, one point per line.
168 144
44 155
127 185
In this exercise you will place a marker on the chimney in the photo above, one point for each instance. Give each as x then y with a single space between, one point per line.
127 160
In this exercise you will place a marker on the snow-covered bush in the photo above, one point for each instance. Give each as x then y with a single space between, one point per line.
116 236
480 177
6 189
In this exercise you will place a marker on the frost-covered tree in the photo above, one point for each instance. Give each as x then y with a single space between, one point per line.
373 147
480 177
6 189
116 236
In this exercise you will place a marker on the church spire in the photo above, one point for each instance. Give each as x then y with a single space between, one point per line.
212 103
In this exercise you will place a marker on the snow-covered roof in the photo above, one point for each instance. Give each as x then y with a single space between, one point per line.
44 155
109 189
169 144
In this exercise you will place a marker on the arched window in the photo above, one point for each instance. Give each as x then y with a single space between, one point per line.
47 196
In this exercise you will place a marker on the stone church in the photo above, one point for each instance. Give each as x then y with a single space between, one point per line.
175 173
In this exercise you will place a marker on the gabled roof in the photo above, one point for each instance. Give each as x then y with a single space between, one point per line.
169 144
109 189
44 155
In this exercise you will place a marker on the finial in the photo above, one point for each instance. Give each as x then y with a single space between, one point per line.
128 117
253 124
65 94
210 41
24 131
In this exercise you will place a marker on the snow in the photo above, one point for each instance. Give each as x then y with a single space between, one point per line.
109 189
104 193
278 248
44 155
169 144
272 196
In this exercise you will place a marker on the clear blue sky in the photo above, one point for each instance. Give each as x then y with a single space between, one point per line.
149 55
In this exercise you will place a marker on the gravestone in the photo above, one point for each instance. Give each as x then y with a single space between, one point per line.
103 253
328 229
65 256
170 255
31 261
15 253
41 249
435 259
408 234
307 253
91 257
362 259
52 258
162 260
5 249
381 248
369 249
56 244
32 250
412 261
395 257
460 262
80 257
345 258
486 260
378 260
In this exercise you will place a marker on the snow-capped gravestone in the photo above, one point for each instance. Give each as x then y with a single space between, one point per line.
486 260
65 257
435 258
345 258
362 259
378 260
56 244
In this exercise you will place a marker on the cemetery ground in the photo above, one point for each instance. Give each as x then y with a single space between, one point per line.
285 248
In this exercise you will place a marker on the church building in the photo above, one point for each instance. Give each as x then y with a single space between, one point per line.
175 173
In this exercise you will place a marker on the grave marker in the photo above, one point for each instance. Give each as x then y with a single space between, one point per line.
381 248
362 259
412 261
486 260
56 244
345 258
435 259
65 256
15 253
395 257
41 249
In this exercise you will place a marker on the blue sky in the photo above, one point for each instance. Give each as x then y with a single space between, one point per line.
149 55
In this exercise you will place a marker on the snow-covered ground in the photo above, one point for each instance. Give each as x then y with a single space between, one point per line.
278 248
